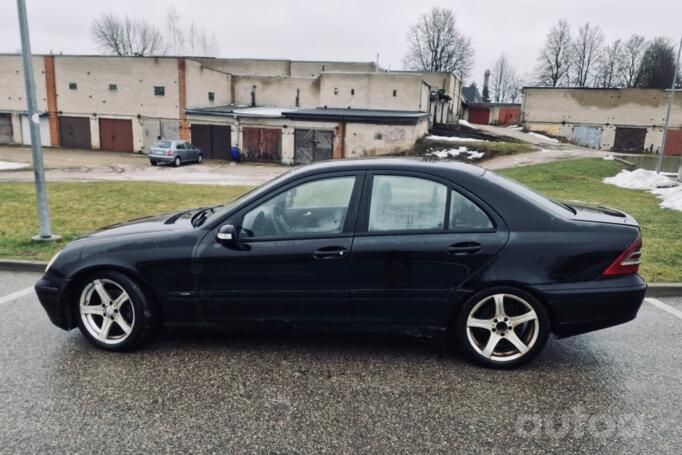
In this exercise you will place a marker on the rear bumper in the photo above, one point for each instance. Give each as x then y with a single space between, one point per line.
49 292
161 158
583 307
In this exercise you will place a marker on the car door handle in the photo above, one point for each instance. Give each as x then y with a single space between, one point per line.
459 249
330 252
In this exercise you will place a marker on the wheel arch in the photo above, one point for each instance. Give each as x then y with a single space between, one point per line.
78 278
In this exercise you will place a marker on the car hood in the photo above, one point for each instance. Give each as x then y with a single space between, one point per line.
166 222
600 214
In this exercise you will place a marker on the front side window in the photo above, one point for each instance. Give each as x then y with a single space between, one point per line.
467 216
406 203
309 209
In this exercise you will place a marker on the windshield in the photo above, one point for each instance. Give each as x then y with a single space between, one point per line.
162 144
537 199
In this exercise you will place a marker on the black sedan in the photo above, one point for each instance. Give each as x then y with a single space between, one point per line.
383 245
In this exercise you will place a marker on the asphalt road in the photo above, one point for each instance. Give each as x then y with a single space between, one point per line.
614 391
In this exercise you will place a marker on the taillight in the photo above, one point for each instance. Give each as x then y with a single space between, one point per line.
169 152
628 261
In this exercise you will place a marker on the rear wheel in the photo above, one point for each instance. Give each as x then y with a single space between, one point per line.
153 163
177 162
114 312
502 327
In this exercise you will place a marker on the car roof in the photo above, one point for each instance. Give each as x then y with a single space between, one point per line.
399 164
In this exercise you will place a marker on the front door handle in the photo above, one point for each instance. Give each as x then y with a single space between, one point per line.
460 249
330 252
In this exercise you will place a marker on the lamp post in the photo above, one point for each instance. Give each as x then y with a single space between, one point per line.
659 163
45 233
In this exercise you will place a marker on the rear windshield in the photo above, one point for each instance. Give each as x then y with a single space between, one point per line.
532 196
162 144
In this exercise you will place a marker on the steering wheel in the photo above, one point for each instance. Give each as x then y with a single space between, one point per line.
279 220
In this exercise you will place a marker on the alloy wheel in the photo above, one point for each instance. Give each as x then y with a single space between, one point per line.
106 310
502 327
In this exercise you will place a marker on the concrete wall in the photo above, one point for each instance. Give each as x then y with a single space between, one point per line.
246 66
201 80
313 69
372 91
365 139
12 86
276 91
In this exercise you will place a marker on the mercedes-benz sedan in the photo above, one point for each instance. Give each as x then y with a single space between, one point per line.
383 245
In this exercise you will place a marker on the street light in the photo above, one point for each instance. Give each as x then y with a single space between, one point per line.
659 163
45 234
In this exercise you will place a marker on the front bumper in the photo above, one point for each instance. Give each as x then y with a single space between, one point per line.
50 292
584 307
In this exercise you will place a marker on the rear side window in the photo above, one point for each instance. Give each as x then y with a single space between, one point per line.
400 203
162 144
465 215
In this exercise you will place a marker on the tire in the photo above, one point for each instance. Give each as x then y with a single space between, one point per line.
480 325
136 310
200 158
153 163
177 162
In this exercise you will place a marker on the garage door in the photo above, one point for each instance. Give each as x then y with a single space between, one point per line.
673 143
44 131
312 145
6 129
74 132
262 144
479 115
116 135
213 140
587 136
509 116
629 139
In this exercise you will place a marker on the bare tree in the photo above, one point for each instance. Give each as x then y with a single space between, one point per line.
127 36
609 65
176 36
633 51
586 52
515 88
503 80
200 43
435 43
658 64
555 57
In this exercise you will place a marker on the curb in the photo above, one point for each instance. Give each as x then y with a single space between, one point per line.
22 266
653 290
664 290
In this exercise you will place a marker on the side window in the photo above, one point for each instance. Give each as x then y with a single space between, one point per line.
406 203
465 215
312 208
180 146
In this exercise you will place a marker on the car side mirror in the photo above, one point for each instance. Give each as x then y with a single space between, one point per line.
227 234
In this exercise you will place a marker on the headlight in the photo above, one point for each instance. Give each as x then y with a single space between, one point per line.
54 258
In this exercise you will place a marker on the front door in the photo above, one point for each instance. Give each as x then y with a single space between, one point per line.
418 240
292 260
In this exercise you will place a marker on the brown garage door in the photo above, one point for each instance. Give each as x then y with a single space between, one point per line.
312 145
479 115
262 144
508 115
629 139
116 135
6 129
213 140
673 143
74 132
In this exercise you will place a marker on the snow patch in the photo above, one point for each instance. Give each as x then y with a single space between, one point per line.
609 158
467 124
667 189
8 166
544 138
453 139
456 153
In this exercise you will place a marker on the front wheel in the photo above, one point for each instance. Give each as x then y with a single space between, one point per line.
114 312
200 158
502 327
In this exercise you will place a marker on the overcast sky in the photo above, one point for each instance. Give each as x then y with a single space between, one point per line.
345 29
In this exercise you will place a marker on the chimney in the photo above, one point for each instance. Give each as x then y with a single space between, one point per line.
486 82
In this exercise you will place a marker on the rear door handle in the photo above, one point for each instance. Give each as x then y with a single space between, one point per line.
330 252
460 249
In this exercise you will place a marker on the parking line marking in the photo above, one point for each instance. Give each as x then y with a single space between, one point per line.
15 295
664 307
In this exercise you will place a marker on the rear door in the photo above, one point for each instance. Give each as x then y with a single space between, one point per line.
418 240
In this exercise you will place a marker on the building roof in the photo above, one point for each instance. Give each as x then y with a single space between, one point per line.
357 115
471 95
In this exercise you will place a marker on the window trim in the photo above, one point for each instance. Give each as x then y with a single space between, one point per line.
349 223
362 225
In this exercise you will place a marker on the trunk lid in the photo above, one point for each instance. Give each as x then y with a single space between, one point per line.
600 214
